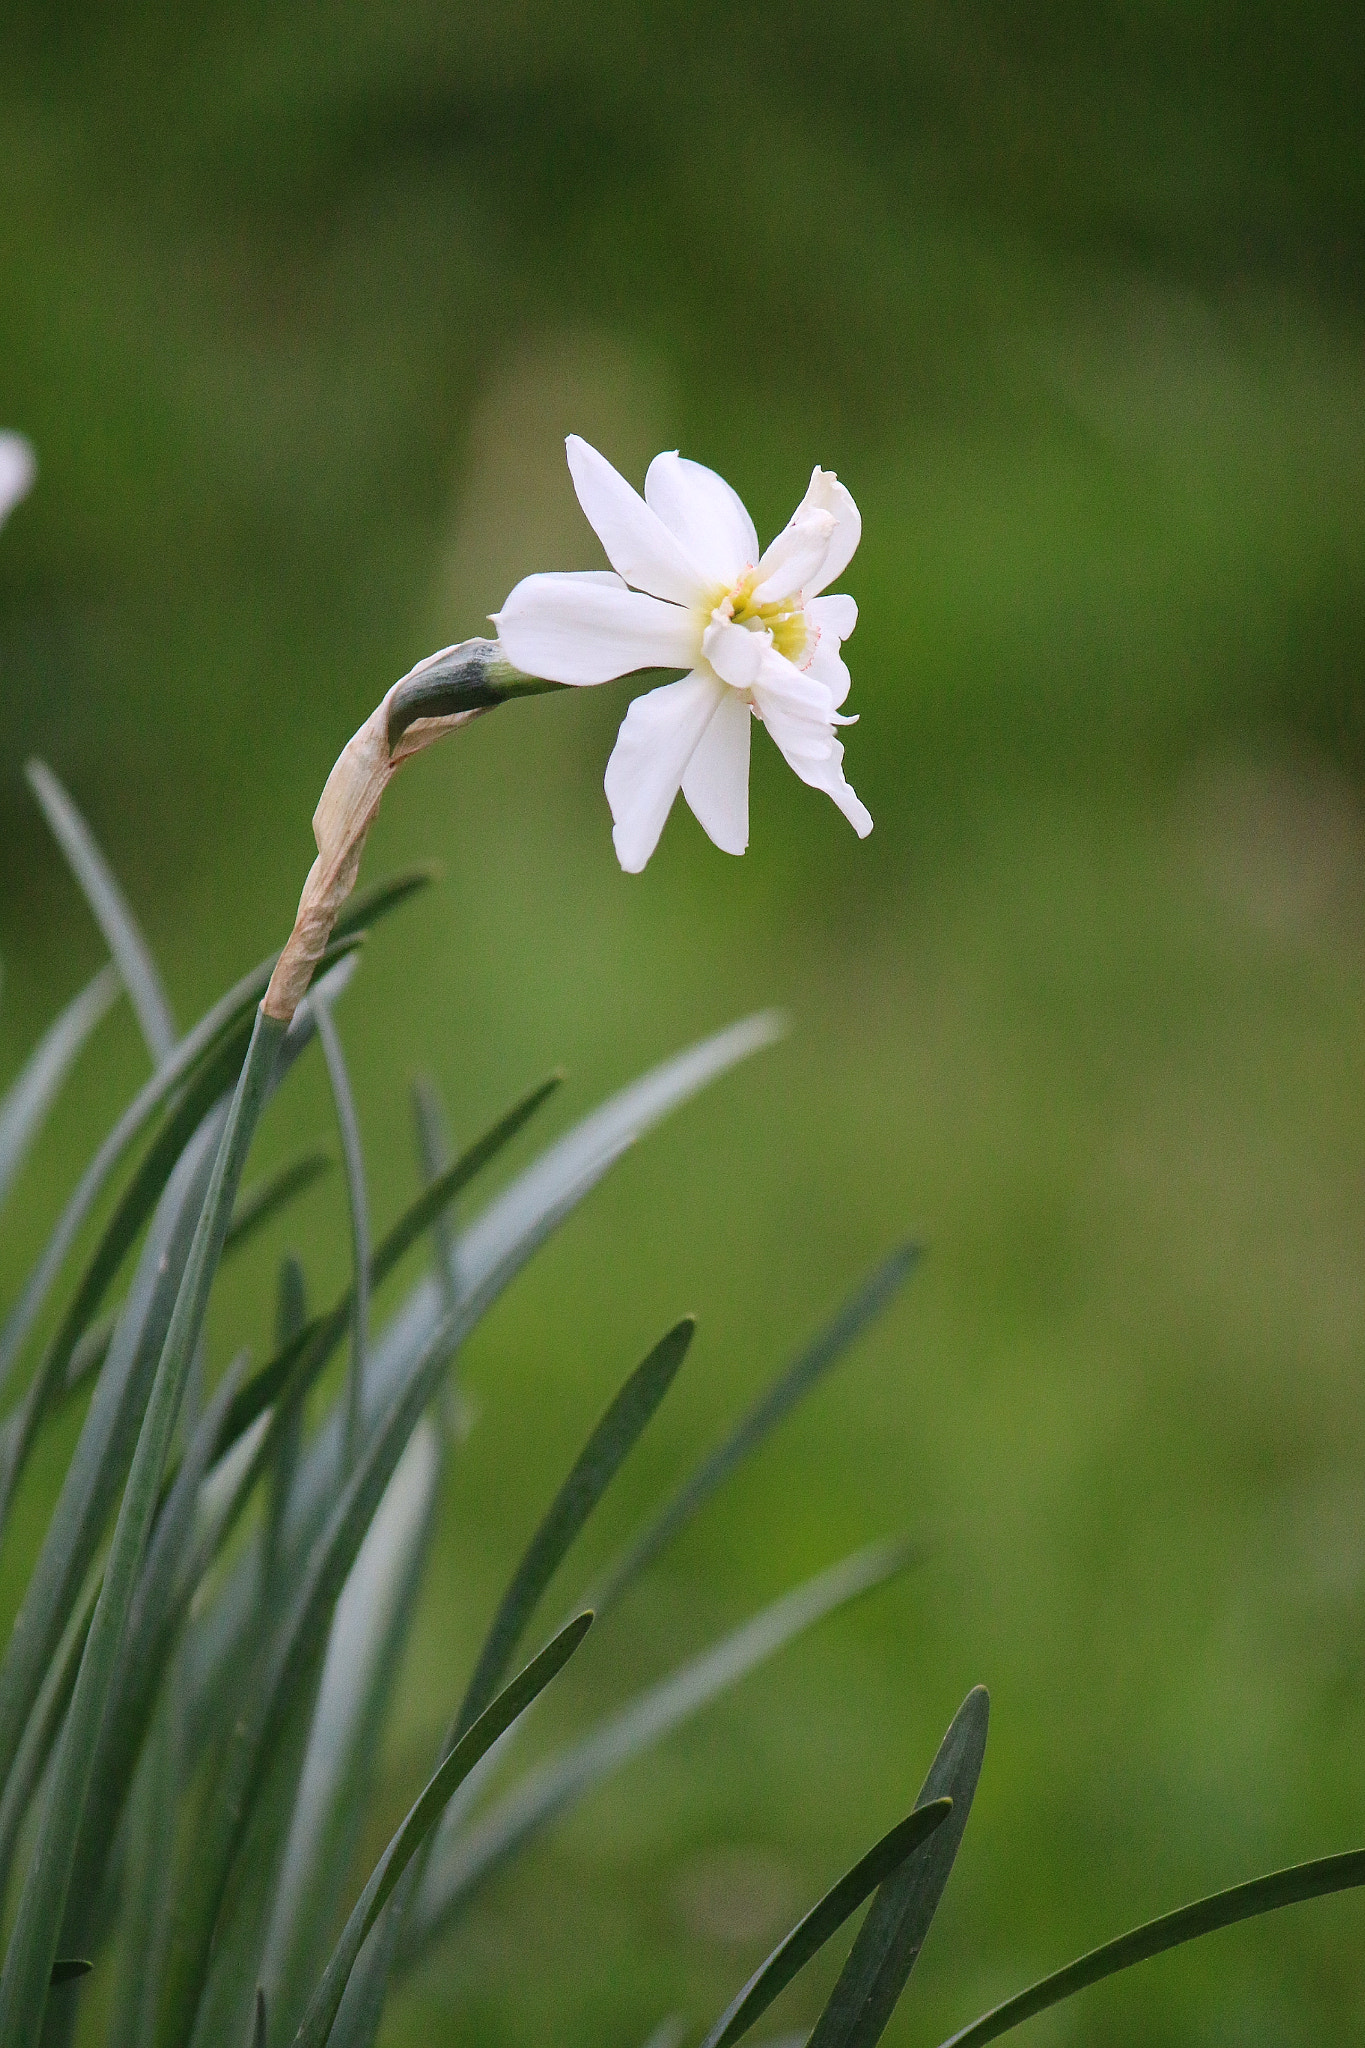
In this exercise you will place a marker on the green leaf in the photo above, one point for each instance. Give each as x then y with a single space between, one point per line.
67 1968
891 1937
321 1337
809 1936
145 1889
435 1152
198 1046
1315 1880
40 1732
106 1440
364 1649
348 1126
178 1554
771 1408
462 1861
32 1093
597 1464
264 1201
122 934
422 1816
42 1900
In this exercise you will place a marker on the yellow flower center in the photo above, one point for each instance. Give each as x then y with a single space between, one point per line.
785 620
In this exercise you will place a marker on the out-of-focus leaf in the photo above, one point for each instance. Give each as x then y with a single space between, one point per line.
260 1204
42 1900
66 1969
122 933
322 1336
771 1408
422 1816
145 1914
462 1861
197 1047
368 1632
99 1461
1315 1880
32 1093
435 1152
348 1126
40 1732
809 1935
891 1937
170 1573
597 1464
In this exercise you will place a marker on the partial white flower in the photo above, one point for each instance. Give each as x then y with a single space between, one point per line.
692 591
18 468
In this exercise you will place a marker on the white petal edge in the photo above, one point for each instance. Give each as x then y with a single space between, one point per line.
716 779
588 628
638 544
18 469
658 737
825 493
837 615
705 514
795 561
815 753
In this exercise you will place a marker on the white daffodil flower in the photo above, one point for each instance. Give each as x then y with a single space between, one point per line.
691 591
18 468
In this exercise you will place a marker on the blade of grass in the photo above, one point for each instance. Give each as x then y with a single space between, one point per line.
463 1861
809 1935
30 1096
367 906
262 1203
771 1408
368 1634
495 1718
891 1937
326 1332
435 1152
122 933
1315 1880
40 1732
610 1444
291 1318
105 1444
107 1436
42 1900
348 1126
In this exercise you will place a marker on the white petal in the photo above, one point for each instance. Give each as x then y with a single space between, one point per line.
837 615
18 468
716 779
828 666
705 514
826 494
637 542
813 750
661 732
796 559
736 653
588 628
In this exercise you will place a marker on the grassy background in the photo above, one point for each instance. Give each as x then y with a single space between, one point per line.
297 306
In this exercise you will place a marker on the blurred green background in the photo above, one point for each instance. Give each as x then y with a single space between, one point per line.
297 305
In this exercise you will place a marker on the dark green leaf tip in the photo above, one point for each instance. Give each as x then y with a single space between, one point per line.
67 1969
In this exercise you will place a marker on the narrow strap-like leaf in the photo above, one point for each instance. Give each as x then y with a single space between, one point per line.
462 1862
364 1651
435 1152
67 1969
197 1047
772 1407
809 1935
891 1937
326 1332
32 1093
263 1202
30 1760
348 1126
597 1464
422 1816
33 1942
122 933
1315 1880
